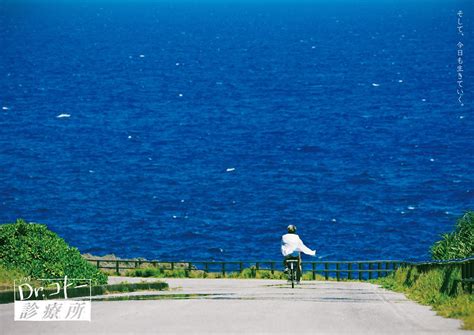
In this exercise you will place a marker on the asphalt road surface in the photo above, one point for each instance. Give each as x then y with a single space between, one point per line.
242 306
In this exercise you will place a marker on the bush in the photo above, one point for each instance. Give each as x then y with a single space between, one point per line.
459 243
41 254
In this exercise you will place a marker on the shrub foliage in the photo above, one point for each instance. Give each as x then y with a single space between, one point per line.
42 254
459 243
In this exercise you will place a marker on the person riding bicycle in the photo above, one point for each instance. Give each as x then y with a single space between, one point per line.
291 246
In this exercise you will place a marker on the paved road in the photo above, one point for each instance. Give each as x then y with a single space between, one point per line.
228 306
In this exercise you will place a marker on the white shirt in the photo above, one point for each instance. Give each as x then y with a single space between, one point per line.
291 243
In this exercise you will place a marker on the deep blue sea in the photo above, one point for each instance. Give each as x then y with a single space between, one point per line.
181 131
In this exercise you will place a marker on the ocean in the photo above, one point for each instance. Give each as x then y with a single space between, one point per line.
199 131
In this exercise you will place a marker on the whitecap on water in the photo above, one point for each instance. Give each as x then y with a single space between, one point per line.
5 108
64 115
375 85
230 169
411 207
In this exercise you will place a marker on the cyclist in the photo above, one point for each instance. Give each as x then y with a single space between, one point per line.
291 246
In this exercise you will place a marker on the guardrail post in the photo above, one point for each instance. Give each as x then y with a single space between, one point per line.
464 268
349 271
467 273
313 269
337 271
241 267
359 267
172 266
272 267
470 265
379 266
387 267
206 267
257 266
190 266
98 264
223 269
117 267
326 271
370 271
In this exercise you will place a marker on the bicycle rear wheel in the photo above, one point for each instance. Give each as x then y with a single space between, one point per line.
292 274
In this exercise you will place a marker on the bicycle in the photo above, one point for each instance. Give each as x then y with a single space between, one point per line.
293 270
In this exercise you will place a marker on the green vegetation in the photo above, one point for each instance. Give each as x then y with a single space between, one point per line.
30 249
459 243
8 276
437 287
438 284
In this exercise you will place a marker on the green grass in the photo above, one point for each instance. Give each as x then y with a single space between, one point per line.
436 287
8 276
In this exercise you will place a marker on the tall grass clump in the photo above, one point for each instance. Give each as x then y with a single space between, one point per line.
457 244
34 250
